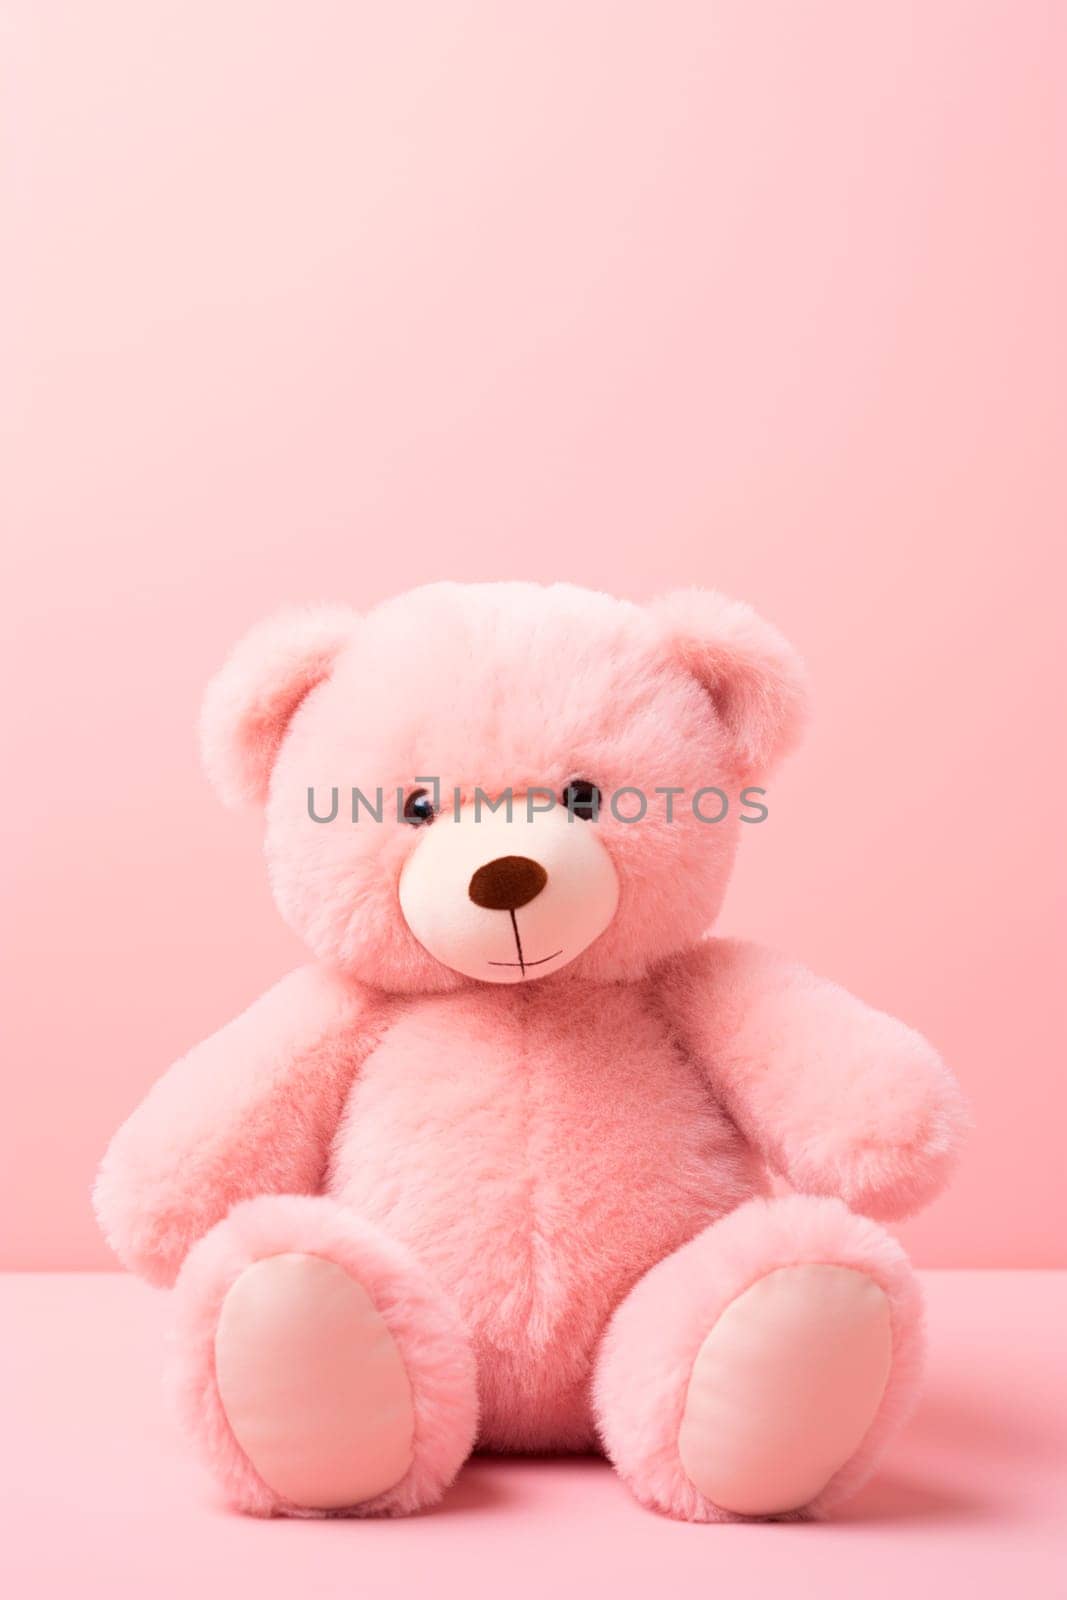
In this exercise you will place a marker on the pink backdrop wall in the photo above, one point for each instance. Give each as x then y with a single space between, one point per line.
309 301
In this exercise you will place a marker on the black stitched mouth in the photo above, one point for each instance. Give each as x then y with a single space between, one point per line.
525 964
522 962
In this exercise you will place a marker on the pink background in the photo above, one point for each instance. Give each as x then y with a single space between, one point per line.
313 301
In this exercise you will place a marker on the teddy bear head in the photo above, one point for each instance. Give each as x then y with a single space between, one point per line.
502 783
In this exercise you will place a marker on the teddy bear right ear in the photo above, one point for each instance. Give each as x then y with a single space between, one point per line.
250 702
754 678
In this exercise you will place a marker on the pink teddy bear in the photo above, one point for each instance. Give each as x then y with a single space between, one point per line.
495 1170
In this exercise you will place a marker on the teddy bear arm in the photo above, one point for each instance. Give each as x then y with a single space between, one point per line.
839 1098
249 1111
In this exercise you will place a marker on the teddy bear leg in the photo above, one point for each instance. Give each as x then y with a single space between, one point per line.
317 1365
759 1370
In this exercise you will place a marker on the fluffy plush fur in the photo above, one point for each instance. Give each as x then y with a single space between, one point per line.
511 1169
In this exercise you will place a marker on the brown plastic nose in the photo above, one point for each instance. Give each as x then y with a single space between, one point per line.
507 883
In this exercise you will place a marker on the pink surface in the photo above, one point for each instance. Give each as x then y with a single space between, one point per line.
100 1496
315 302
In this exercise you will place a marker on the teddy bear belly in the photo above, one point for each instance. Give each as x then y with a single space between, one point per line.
536 1164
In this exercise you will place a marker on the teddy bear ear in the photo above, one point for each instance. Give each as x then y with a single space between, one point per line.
754 677
250 702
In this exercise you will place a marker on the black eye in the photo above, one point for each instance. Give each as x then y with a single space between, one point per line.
418 808
582 799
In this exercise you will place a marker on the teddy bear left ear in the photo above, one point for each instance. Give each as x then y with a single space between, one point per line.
754 677
250 702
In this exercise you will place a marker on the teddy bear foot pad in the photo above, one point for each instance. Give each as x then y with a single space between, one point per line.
319 1370
784 1388
312 1382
